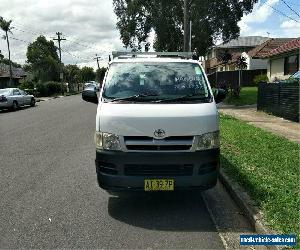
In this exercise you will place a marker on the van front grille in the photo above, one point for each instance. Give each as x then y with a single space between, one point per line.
158 170
171 143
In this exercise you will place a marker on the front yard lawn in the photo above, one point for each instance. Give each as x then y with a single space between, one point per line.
248 96
267 166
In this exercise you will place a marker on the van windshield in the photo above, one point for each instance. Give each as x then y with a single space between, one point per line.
156 81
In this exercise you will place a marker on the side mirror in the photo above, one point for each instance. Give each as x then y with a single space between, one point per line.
219 95
90 95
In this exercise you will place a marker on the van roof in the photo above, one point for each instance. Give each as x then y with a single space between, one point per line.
152 59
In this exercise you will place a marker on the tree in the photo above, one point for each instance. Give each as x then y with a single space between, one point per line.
43 59
100 73
211 19
87 74
6 61
224 57
241 64
5 26
1 57
72 75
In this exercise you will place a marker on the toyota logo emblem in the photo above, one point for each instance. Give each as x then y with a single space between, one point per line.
159 133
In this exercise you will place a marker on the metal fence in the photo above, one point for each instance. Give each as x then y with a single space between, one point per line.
231 78
279 99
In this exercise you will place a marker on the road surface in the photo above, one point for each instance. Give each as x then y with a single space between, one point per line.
50 198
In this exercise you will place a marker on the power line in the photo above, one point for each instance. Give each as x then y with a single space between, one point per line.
74 40
83 45
64 50
83 59
294 4
27 31
281 13
290 8
17 39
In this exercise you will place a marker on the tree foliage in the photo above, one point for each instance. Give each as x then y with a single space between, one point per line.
43 59
211 19
6 62
6 27
224 56
72 73
100 73
241 63
87 74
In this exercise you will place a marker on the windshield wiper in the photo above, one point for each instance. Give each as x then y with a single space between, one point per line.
138 97
185 98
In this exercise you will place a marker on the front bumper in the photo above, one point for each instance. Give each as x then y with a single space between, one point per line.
121 171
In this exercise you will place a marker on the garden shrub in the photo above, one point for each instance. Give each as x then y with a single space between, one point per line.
260 78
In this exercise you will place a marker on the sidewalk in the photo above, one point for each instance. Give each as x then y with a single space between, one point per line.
42 99
276 125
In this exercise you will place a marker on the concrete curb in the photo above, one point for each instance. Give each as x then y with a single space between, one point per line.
248 207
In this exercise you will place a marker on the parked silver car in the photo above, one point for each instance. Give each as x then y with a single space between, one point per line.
13 98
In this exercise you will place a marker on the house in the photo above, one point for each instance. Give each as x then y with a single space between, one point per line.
235 48
253 49
17 75
283 61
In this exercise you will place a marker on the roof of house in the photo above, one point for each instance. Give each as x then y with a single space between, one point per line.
284 48
263 49
244 41
17 72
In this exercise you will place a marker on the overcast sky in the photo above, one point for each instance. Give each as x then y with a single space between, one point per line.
90 26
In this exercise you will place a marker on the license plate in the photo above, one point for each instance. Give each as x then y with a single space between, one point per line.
159 185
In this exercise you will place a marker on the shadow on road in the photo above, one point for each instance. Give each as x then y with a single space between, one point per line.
180 211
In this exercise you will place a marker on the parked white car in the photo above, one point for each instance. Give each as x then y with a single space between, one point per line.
14 98
157 125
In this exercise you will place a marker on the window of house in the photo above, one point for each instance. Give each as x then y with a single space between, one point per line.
291 64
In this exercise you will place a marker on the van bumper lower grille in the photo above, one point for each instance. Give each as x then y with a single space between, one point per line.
172 143
158 170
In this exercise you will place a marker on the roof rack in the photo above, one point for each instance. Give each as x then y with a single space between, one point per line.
126 55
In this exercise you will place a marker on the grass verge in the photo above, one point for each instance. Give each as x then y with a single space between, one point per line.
248 96
267 166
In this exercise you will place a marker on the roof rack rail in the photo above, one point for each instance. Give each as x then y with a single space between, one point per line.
126 55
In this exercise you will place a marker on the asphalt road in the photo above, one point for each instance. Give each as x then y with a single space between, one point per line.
49 197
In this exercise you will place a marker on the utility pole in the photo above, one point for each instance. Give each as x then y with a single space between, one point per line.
186 27
97 58
190 40
61 75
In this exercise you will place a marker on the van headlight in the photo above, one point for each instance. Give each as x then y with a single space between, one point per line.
208 141
107 141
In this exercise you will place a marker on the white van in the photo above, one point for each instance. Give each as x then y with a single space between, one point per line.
157 126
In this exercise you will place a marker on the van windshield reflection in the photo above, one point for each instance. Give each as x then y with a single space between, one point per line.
155 82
